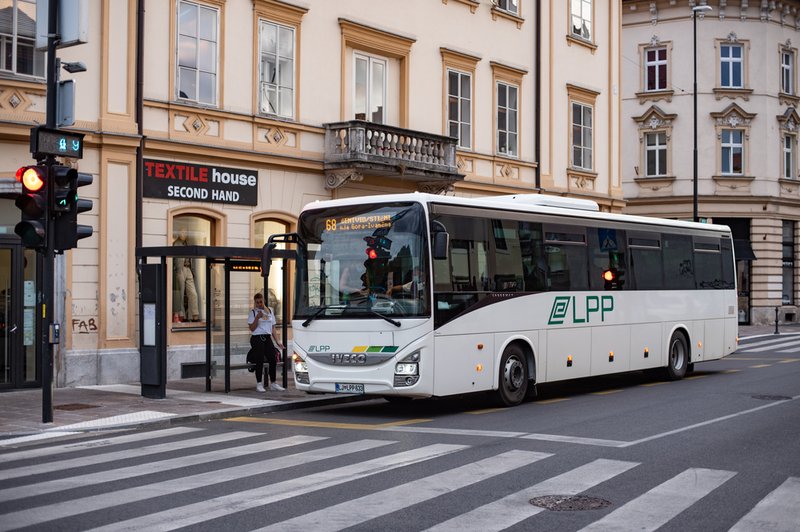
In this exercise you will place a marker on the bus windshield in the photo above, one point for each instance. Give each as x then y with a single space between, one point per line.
362 261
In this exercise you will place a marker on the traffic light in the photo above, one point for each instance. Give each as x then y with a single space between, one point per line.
67 205
33 204
612 278
378 247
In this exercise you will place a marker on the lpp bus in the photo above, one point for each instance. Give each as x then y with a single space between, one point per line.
417 295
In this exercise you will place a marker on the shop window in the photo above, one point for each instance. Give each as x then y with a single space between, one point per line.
263 230
787 246
188 274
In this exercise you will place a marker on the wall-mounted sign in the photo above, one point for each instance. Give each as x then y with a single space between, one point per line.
199 182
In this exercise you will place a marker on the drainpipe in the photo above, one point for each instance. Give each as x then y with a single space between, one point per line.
537 102
139 115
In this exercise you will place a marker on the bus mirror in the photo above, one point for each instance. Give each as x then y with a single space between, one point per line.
441 243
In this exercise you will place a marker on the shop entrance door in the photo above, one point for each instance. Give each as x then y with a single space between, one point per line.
18 365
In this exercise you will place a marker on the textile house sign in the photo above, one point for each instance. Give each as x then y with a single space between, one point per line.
200 182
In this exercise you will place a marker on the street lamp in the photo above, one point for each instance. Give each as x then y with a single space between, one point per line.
695 11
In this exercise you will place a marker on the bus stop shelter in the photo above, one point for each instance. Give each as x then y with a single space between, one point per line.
154 316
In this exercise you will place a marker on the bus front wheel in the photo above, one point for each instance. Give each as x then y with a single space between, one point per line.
513 376
677 357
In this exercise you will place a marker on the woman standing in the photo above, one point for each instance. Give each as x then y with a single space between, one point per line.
261 321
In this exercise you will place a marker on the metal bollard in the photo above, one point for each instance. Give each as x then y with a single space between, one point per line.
776 321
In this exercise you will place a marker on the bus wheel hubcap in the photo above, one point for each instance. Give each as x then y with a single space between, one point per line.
513 373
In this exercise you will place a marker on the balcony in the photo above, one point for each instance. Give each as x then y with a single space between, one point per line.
357 148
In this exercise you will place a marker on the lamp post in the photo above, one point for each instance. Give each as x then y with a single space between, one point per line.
695 11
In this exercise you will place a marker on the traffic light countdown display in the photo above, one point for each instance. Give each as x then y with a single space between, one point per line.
33 204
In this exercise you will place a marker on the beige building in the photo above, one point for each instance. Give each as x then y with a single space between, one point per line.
240 112
747 131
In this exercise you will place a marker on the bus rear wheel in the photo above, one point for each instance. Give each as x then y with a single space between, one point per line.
513 376
677 357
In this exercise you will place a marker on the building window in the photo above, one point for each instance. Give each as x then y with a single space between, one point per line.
459 107
197 52
188 275
510 6
18 54
656 154
370 89
276 69
655 64
581 136
732 151
788 263
581 15
788 156
507 119
731 66
787 71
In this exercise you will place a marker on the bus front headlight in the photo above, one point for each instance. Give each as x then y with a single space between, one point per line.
406 372
300 368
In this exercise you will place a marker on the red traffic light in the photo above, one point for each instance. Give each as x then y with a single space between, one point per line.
371 253
31 177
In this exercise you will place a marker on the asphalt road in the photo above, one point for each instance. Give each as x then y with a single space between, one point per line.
718 450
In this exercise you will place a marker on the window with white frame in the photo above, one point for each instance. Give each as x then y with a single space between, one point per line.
581 17
507 119
276 69
582 136
789 156
459 107
656 154
370 88
731 66
18 54
512 6
197 52
732 151
787 71
655 65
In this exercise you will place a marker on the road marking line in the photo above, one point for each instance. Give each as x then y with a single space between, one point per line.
486 411
788 360
657 506
761 366
732 371
326 424
695 377
608 392
659 383
551 401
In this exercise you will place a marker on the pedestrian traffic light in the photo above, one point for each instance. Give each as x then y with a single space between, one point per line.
67 205
33 204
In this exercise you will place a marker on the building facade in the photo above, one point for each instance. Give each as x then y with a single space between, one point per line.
747 132
213 122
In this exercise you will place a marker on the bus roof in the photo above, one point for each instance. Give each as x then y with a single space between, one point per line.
532 203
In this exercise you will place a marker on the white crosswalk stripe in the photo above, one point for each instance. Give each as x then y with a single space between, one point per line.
770 346
211 491
777 512
377 504
655 508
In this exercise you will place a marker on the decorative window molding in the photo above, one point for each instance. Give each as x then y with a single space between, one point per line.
461 63
198 53
472 4
580 23
374 41
655 81
581 176
509 79
20 58
733 68
514 15
651 124
789 126
787 83
733 119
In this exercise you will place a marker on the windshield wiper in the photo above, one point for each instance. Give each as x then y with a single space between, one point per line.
387 318
319 311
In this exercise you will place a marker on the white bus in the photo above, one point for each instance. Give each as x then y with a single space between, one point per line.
418 295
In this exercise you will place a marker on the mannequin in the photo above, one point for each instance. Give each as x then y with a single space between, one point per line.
183 285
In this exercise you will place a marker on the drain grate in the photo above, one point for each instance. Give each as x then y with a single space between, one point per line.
771 397
569 503
75 406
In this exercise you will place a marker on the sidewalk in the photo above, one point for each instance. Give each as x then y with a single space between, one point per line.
94 408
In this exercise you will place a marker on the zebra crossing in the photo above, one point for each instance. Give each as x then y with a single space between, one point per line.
208 472
779 344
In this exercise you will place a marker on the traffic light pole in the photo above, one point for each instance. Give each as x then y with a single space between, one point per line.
46 283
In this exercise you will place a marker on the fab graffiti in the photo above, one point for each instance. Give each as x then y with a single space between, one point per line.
86 326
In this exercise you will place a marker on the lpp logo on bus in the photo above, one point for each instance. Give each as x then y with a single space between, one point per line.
580 313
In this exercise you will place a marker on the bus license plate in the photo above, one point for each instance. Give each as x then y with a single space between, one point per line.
345 387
